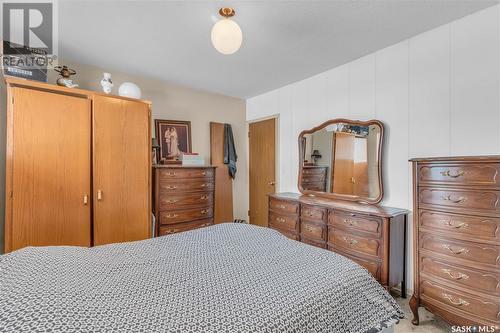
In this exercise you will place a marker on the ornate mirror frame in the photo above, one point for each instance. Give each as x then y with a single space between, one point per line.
346 197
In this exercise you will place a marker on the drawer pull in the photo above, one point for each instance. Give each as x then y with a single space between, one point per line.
448 198
448 173
459 251
205 211
171 187
281 206
280 219
459 276
172 216
172 231
203 173
350 241
456 226
204 197
350 222
172 200
172 174
458 302
204 185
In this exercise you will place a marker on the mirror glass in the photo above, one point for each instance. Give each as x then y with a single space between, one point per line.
341 158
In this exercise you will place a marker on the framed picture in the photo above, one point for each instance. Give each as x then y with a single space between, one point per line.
174 138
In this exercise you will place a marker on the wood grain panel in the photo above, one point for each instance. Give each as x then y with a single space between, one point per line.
122 162
50 170
224 183
262 155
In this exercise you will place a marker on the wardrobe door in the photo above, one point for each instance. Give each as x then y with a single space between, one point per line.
48 167
122 166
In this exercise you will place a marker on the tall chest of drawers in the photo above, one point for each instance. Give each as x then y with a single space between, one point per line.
371 235
457 239
183 198
314 178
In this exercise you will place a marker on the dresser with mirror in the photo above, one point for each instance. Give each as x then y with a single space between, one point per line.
337 209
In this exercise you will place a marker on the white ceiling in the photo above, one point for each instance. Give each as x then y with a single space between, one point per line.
283 41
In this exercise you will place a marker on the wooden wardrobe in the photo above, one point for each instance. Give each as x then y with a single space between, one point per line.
77 167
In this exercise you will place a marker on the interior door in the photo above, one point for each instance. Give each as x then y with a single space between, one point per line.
50 169
122 166
262 144
343 168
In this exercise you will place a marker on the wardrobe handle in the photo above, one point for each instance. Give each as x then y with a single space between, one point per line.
85 199
99 195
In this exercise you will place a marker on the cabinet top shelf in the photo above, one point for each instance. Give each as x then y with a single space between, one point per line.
25 83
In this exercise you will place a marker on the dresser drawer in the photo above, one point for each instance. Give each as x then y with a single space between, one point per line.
185 173
286 222
313 171
313 230
175 228
286 233
313 242
186 186
313 178
479 306
313 213
487 282
176 216
373 266
459 200
179 201
353 242
461 225
485 174
355 222
461 250
320 187
282 206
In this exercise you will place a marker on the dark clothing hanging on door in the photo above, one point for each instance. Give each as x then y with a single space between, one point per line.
230 156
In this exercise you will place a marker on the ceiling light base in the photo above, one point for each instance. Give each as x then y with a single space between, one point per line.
226 12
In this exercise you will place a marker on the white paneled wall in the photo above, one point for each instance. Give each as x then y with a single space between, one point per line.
438 94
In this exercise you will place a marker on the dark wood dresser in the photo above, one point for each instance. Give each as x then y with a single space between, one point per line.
371 235
314 178
183 198
457 239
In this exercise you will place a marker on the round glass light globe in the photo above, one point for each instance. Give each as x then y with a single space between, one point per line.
227 36
129 89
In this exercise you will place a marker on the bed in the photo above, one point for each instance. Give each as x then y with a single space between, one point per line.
225 278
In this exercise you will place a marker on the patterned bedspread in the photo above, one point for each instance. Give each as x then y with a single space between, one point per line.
224 278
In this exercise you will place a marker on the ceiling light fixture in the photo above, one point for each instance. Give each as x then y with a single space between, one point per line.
226 34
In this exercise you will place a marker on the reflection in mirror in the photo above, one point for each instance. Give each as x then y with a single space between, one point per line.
342 158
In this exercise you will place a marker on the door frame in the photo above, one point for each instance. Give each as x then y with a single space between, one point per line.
277 161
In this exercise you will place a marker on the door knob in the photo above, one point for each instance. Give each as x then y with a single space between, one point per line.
271 183
99 195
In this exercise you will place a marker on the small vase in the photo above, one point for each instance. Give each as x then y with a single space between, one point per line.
107 83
